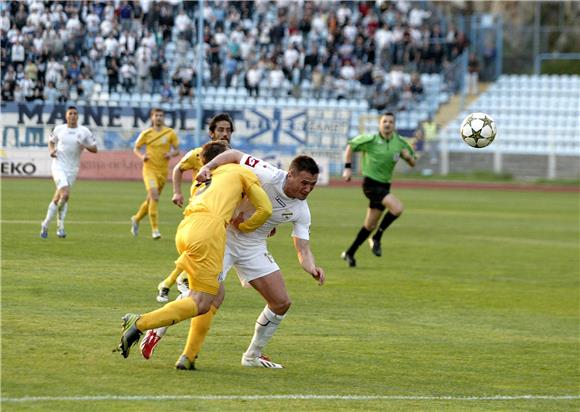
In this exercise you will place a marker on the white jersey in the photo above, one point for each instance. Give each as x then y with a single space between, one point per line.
284 208
69 145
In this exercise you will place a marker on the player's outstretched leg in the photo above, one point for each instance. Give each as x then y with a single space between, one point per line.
130 334
153 336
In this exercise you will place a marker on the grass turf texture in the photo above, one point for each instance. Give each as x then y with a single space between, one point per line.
477 294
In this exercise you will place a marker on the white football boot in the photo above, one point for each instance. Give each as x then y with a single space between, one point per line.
259 362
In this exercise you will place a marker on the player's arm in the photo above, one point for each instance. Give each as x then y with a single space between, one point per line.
52 141
229 156
306 259
177 174
408 155
347 172
261 202
90 143
173 151
52 148
138 146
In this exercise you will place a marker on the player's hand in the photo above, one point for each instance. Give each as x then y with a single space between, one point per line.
319 275
405 154
167 155
204 175
52 153
347 174
177 199
272 232
145 157
236 221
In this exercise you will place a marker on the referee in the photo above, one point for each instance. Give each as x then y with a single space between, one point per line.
380 153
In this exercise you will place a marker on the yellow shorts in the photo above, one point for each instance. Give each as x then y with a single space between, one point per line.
154 181
201 242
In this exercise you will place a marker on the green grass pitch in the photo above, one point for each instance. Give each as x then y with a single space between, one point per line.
476 296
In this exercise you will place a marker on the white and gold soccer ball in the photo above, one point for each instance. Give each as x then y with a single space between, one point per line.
478 130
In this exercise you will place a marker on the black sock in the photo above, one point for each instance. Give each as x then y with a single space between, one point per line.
386 222
363 234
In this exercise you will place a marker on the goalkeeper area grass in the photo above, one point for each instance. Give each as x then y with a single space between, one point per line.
474 305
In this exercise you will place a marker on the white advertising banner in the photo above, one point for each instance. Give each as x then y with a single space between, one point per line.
29 162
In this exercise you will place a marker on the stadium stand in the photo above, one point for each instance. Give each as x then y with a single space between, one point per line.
537 114
311 53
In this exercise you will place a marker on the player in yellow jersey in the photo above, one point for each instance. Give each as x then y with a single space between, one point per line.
221 127
161 144
200 240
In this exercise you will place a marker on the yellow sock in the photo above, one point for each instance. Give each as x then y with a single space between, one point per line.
170 314
171 279
142 211
197 332
154 214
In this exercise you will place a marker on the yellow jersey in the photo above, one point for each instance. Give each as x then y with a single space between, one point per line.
221 195
157 145
191 161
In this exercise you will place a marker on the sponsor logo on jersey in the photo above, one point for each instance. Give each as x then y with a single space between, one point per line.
251 161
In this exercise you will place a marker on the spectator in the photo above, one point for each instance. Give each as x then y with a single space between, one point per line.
18 54
128 73
113 73
166 93
416 86
252 80
276 81
7 91
472 74
230 68
156 70
143 69
185 91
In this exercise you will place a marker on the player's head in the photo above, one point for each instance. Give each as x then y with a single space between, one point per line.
387 124
302 177
157 117
212 149
221 127
72 116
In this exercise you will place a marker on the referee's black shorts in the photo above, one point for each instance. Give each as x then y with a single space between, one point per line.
375 191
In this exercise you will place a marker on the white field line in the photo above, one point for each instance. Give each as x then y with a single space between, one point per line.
288 397
69 222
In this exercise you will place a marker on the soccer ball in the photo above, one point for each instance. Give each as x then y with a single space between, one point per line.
478 130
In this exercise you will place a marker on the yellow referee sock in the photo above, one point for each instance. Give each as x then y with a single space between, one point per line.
170 314
198 330
154 214
142 212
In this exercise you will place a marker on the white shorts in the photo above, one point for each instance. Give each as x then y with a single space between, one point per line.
250 262
63 178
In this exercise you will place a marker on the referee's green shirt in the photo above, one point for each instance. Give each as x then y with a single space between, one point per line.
379 156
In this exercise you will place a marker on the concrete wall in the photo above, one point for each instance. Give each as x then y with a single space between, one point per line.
521 166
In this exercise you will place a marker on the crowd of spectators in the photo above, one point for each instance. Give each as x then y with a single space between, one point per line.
55 51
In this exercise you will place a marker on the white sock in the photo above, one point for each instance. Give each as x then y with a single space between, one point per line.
50 212
266 325
62 208
163 330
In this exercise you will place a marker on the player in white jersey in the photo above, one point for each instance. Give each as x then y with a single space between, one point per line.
65 145
248 253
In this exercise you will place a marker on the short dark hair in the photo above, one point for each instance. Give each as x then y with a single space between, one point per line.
211 150
304 163
71 107
218 118
390 114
